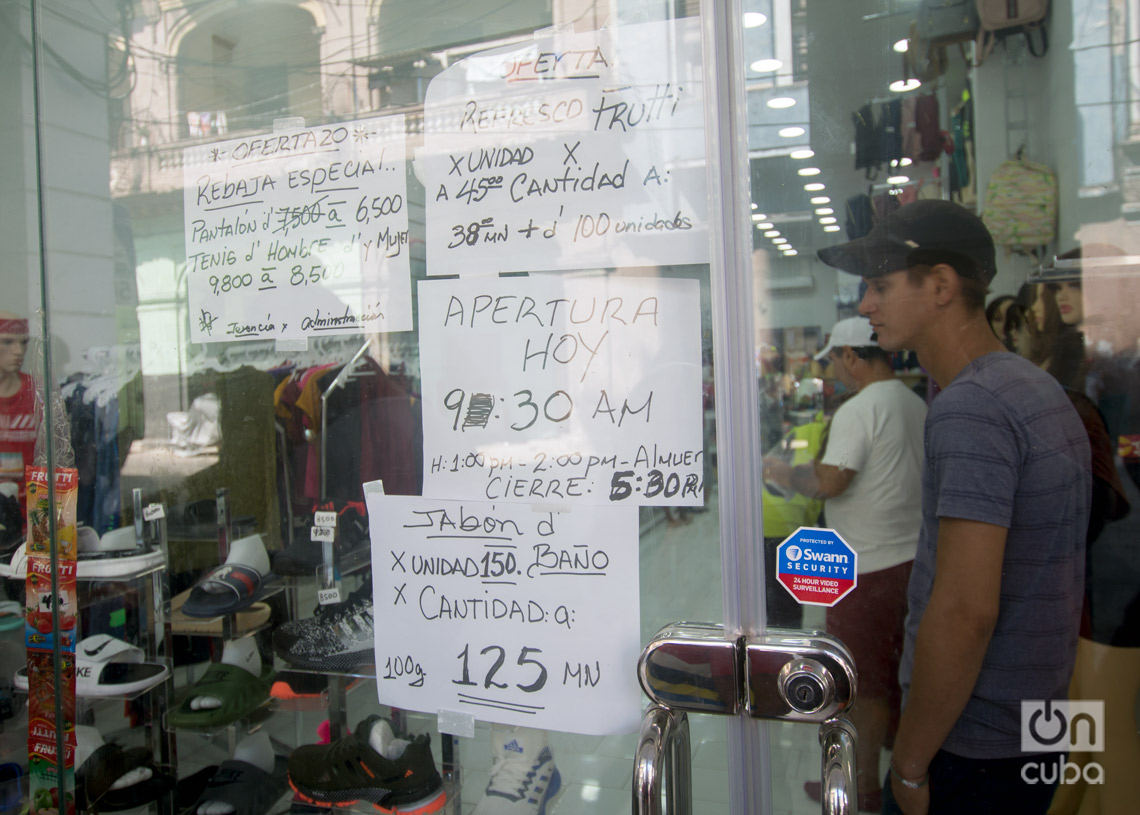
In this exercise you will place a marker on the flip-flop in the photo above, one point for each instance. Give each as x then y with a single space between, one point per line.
248 789
240 692
105 766
227 589
102 565
105 666
189 789
244 622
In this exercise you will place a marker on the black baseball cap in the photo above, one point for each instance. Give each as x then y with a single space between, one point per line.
926 231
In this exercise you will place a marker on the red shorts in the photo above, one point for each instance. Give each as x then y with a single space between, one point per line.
869 621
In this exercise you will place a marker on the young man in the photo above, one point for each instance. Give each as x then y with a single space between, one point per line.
995 593
870 473
20 416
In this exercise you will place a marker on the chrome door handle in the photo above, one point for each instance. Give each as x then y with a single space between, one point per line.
662 764
837 737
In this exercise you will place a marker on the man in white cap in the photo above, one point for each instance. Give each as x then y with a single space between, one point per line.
998 580
871 475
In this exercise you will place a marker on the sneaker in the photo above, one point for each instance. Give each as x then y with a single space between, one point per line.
401 777
338 636
523 776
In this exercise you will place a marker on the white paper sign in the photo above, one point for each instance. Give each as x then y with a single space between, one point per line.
299 233
557 390
576 150
517 616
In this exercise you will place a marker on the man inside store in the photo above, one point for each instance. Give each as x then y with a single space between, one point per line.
996 588
20 415
870 473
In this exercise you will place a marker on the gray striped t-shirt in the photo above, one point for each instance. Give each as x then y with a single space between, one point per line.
1004 446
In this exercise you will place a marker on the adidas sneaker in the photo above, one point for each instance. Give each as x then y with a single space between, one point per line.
337 637
523 776
393 772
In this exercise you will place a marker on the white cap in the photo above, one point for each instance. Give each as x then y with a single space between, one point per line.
854 331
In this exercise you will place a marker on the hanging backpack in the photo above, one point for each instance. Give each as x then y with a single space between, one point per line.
1021 206
942 22
1001 19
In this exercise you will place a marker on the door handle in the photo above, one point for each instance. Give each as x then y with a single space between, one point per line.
799 676
662 764
837 737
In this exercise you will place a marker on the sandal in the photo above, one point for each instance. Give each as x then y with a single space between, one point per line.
240 692
244 622
105 666
248 789
95 779
229 588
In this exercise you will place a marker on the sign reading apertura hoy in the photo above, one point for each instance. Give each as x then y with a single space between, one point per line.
572 151
512 614
816 566
298 233
560 390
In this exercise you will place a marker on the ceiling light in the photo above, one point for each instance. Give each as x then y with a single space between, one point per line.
900 47
791 132
905 162
790 252
821 199
779 241
827 220
903 85
825 211
815 186
898 179
772 233
754 205
781 102
758 216
765 225
832 228
766 66
808 171
807 152
753 19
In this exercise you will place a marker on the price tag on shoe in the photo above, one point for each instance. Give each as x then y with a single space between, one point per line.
322 533
328 596
325 519
153 512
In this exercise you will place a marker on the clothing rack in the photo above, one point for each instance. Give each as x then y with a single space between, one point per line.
344 375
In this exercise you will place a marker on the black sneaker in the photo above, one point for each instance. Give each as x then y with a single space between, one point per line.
337 637
400 778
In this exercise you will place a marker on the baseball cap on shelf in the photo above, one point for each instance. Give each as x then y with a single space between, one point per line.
854 331
926 231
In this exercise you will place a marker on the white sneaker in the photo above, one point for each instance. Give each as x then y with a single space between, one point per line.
523 776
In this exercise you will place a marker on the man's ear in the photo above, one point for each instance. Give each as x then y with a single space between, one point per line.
945 282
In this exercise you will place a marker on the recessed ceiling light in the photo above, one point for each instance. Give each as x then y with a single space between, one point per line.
808 171
807 152
766 66
905 162
754 205
825 211
790 132
898 179
780 102
815 186
901 46
779 241
827 220
832 228
904 85
758 216
753 19
772 233
765 225
821 199
789 252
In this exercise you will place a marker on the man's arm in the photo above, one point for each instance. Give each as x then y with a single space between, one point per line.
951 644
813 479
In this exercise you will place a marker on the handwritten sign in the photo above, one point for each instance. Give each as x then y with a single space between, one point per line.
517 616
299 233
548 389
573 151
